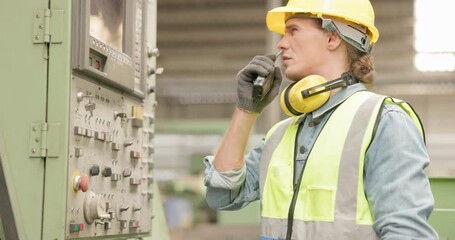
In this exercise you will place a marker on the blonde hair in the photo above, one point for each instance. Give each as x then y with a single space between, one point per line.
361 64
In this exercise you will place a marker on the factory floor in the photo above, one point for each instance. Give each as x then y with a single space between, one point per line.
218 232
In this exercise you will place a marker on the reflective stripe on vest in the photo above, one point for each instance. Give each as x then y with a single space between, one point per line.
331 203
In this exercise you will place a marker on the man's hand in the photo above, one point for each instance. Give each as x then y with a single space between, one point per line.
259 66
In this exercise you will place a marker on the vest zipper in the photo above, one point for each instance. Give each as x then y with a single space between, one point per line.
296 187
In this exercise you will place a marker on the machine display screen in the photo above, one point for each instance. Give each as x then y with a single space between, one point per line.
107 20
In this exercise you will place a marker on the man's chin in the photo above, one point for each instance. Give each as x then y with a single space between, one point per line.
294 77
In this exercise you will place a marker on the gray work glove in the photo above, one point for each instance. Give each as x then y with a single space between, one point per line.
259 66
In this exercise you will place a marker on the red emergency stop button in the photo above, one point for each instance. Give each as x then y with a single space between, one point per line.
80 183
84 183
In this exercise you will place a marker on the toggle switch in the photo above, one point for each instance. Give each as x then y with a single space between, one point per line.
79 131
80 96
109 138
124 207
89 133
90 106
151 150
135 181
100 136
123 224
153 52
127 172
107 225
156 71
116 177
115 146
128 142
137 207
123 116
78 152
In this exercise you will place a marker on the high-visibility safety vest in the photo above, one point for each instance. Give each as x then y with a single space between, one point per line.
331 202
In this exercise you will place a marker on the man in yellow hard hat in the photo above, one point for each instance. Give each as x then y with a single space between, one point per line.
348 163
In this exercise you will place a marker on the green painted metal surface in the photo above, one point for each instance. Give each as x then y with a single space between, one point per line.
35 80
249 215
443 216
23 90
160 229
192 126
58 112
2 236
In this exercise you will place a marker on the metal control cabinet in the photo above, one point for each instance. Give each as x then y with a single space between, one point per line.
76 149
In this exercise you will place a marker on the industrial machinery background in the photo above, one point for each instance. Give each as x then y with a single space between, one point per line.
77 93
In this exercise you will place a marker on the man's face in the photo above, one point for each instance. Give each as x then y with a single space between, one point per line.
304 48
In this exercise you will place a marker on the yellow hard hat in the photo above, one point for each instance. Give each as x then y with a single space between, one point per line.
357 11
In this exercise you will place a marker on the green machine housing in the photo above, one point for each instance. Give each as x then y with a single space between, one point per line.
77 101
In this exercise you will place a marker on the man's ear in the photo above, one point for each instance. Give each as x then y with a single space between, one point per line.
333 41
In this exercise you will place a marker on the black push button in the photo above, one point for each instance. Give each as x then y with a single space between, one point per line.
95 170
107 172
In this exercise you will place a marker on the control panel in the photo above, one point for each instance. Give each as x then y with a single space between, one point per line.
110 162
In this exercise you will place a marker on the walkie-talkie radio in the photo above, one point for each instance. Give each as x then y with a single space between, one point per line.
262 85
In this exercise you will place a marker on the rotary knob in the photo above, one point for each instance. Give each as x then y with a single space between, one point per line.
95 207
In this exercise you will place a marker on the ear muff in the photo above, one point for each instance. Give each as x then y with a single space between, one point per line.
311 93
293 102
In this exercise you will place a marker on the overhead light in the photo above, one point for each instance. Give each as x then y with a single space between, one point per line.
434 41
435 62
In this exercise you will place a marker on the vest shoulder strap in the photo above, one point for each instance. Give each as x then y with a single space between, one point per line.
284 123
409 110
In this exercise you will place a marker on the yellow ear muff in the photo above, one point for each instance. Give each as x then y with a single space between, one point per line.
292 101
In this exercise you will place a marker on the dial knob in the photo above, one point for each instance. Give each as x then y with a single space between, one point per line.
95 207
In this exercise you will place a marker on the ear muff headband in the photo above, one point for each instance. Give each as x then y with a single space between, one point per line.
345 80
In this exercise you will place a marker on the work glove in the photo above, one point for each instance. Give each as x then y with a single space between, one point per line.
259 66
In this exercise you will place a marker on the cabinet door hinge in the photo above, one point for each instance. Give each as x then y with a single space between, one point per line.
45 140
48 26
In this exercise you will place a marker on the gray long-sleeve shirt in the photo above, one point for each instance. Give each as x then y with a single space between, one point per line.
395 183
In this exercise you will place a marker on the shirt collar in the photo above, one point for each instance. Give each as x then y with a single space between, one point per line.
334 100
